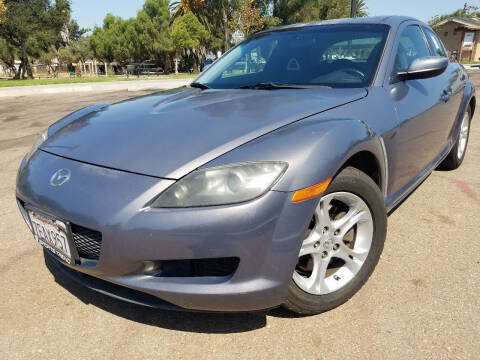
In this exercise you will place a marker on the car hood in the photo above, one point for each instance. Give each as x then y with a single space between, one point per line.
169 134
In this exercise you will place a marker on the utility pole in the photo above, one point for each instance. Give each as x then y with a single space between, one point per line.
352 8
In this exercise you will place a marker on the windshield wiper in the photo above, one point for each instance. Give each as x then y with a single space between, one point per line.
199 85
273 86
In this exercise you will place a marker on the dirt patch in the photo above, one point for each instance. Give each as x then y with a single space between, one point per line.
36 124
11 118
418 283
17 142
445 219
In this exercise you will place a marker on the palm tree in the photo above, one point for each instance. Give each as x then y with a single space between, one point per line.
359 8
214 15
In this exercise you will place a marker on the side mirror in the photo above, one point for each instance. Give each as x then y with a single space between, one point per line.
424 68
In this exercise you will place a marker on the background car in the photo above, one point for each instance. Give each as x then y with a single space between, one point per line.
206 64
145 68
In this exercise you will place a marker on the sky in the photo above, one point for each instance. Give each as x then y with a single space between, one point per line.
89 13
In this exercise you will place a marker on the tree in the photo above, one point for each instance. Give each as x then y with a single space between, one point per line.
214 15
247 18
102 41
81 51
53 57
75 32
131 39
223 8
220 17
31 27
296 11
3 8
7 54
49 59
115 33
335 9
189 34
154 38
65 56
360 8
189 27
468 12
145 37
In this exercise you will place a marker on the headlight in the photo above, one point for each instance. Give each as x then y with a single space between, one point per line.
222 185
40 140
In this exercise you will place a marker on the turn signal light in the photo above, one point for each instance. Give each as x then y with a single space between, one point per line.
311 192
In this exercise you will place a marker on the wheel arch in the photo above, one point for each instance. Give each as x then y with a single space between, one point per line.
366 162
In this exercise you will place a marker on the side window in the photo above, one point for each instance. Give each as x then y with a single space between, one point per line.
435 43
358 50
412 46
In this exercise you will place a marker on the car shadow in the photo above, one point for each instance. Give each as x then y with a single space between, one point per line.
196 322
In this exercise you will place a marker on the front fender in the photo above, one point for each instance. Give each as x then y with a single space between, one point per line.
315 149
468 94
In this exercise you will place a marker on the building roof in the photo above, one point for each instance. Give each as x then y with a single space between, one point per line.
468 23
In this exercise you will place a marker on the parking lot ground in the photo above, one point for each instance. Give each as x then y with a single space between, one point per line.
422 302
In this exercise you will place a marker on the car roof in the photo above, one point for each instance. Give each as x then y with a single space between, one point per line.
391 20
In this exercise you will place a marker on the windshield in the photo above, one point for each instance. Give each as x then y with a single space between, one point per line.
341 56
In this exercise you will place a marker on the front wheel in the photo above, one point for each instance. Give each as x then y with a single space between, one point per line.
342 245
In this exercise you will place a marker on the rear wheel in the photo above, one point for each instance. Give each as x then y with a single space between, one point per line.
455 158
342 245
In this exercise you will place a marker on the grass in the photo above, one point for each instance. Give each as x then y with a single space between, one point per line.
469 62
32 82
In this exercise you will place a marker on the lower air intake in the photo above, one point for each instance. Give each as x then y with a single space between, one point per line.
218 267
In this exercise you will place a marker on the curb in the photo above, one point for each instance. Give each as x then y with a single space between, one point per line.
134 85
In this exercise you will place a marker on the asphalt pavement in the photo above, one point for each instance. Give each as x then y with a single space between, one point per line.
422 302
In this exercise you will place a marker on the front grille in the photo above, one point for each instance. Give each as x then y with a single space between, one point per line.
88 242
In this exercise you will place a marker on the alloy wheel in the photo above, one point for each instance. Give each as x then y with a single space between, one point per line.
337 244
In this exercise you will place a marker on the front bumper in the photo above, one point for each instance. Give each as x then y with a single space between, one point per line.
265 234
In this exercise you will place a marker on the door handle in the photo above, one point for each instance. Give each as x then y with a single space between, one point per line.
446 95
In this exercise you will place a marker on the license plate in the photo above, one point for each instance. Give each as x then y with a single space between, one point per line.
51 234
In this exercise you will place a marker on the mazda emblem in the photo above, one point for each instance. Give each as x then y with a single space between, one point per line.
60 177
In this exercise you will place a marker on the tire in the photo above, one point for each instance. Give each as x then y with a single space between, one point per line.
351 186
455 157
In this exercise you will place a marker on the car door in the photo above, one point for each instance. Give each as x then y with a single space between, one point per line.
456 78
421 113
